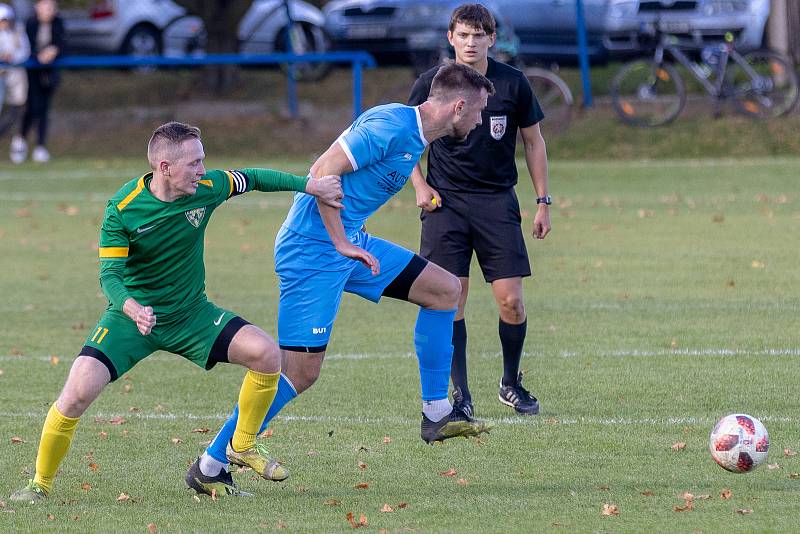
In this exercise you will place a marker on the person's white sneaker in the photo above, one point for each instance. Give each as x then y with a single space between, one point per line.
40 155
19 150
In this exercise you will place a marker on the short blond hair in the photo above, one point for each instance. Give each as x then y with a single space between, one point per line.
166 140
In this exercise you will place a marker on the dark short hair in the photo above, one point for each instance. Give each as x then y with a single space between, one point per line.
171 134
453 80
474 15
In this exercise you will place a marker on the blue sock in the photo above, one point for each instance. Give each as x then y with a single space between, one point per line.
433 335
284 395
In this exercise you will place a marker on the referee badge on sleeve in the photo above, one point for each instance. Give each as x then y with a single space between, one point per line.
497 126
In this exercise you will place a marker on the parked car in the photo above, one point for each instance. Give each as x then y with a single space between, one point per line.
397 31
547 29
697 21
151 27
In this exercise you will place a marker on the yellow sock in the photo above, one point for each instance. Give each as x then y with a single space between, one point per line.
255 397
53 446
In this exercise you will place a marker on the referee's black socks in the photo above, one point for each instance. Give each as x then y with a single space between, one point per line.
512 338
458 370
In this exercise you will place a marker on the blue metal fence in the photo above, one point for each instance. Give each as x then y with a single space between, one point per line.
358 61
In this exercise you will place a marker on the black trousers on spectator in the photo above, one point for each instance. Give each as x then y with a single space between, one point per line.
40 92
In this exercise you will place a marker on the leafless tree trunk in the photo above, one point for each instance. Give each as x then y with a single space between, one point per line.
221 18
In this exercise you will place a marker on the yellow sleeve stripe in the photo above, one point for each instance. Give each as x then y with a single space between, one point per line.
206 182
132 194
230 180
113 252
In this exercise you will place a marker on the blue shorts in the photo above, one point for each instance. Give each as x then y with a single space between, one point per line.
313 277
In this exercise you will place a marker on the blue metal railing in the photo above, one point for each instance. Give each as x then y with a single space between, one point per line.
357 59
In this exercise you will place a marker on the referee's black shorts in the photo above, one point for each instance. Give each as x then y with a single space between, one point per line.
488 223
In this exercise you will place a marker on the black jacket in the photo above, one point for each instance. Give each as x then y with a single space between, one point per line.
47 77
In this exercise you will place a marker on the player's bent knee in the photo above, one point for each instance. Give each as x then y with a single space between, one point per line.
450 291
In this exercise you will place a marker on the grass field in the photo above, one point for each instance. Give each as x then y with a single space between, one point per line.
665 297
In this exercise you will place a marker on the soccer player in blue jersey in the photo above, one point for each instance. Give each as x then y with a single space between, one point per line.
321 252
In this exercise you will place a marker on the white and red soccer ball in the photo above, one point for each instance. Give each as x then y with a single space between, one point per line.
739 443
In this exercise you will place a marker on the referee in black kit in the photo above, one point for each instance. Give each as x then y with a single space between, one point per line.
468 201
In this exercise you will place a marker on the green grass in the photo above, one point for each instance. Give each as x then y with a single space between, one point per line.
665 297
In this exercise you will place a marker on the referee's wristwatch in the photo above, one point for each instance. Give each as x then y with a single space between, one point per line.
547 199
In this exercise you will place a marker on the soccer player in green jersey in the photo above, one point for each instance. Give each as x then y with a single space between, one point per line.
152 271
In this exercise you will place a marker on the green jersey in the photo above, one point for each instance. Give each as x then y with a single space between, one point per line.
152 250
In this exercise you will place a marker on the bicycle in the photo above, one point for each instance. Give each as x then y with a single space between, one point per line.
651 92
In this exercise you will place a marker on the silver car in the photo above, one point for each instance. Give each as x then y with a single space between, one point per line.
152 27
697 21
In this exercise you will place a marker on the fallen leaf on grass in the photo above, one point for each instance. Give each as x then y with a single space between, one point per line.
176 441
267 433
214 494
362 520
787 452
387 439
362 485
794 475
604 487
86 486
300 489
402 505
117 421
450 473
689 506
50 517
551 421
201 430
312 453
773 466
648 493
362 465
332 502
103 434
281 524
726 494
123 497
151 528
679 446
134 409
196 498
127 388
387 508
610 509
744 511
17 439
54 360
463 481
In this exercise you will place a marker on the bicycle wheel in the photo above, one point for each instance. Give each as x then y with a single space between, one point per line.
646 93
764 85
554 96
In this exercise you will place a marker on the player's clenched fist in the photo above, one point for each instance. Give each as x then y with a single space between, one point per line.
327 189
141 315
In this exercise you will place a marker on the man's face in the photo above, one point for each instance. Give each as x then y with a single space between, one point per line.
470 44
186 169
468 116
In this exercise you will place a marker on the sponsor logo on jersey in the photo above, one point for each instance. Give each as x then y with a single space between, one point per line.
407 156
143 229
196 216
497 126
319 330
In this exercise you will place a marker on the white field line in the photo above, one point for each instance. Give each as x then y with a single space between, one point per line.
622 353
383 421
256 200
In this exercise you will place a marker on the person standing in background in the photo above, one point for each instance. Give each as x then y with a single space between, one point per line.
46 35
14 49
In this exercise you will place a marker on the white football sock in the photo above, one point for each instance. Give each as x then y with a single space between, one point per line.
211 467
437 410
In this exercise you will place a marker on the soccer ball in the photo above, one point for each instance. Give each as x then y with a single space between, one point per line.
739 443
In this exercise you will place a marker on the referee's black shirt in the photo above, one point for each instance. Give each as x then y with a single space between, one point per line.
485 161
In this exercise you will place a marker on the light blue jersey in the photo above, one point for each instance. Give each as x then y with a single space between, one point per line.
383 145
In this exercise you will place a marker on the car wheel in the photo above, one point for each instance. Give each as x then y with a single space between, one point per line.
306 38
142 41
